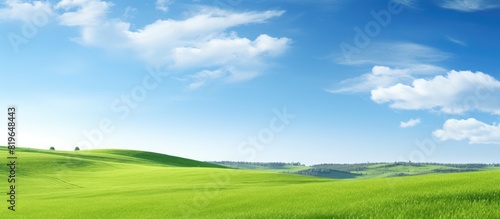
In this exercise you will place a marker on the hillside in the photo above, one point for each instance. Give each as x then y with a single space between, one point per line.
100 157
134 184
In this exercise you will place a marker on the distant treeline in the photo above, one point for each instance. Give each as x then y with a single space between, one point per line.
349 167
440 171
326 172
343 167
364 166
454 170
271 165
469 165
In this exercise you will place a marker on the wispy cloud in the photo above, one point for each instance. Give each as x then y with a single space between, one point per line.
407 3
409 123
163 5
399 54
383 76
329 5
405 60
129 12
471 129
203 77
459 42
469 5
380 76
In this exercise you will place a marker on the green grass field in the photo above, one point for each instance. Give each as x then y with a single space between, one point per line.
134 184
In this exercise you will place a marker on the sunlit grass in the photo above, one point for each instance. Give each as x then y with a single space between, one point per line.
128 184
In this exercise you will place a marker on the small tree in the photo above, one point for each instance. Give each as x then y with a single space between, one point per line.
52 148
77 148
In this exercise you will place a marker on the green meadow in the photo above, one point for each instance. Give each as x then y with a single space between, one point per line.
136 184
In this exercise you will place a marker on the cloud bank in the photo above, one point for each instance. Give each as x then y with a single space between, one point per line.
455 93
474 131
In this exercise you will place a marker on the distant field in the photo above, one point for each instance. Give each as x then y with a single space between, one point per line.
134 184
360 170
277 167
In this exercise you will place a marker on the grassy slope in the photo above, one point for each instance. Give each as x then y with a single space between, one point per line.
97 157
127 184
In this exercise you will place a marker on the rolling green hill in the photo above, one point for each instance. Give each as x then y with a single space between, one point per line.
135 184
81 159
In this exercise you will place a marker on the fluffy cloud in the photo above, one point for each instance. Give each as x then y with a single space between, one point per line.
455 93
469 5
471 129
200 42
227 49
382 76
18 10
409 123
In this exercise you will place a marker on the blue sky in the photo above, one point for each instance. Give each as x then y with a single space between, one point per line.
314 82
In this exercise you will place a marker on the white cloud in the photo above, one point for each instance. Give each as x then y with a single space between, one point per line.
406 61
409 123
201 42
382 76
455 93
162 5
227 49
471 129
469 5
83 12
19 10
